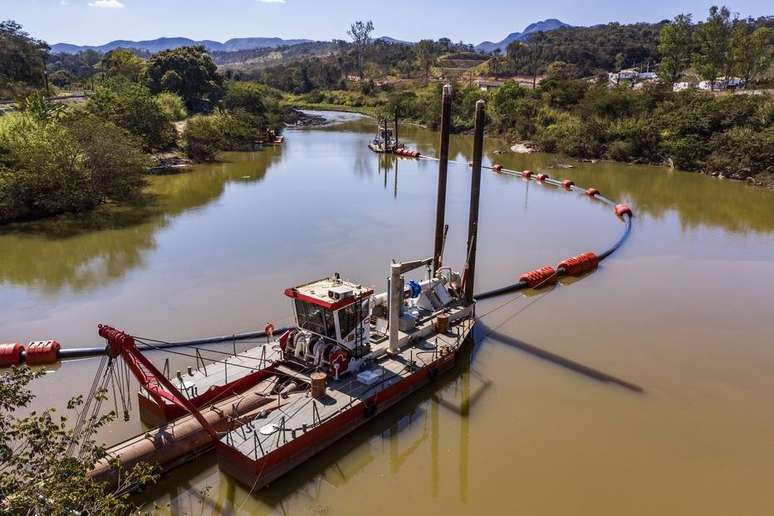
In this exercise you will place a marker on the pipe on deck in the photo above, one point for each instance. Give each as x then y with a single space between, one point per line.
183 439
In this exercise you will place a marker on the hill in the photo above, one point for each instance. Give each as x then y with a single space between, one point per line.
544 26
159 44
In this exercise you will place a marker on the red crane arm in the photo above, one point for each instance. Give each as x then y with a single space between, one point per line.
150 378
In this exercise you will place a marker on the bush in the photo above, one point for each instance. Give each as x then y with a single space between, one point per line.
687 152
634 139
574 137
608 103
130 106
742 152
203 137
51 167
255 106
171 106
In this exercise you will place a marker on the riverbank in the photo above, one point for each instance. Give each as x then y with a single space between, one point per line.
299 104
726 136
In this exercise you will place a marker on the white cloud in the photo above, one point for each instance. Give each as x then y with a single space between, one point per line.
272 1
107 4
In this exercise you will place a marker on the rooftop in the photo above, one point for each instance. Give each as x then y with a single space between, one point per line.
331 292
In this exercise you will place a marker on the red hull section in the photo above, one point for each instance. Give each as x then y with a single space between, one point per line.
258 473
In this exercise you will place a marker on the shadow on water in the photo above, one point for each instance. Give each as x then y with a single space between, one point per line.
89 250
577 367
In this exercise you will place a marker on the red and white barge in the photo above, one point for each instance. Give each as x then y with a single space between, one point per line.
353 356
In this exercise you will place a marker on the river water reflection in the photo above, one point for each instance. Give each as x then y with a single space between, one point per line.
683 311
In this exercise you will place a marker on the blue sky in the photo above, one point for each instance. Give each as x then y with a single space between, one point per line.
100 21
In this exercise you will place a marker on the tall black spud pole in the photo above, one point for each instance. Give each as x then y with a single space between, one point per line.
443 166
475 194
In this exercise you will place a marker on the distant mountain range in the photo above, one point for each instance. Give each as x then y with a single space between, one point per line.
544 26
159 44
236 44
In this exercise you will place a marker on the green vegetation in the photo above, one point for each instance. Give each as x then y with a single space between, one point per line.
53 162
122 63
730 135
719 46
38 474
251 112
131 106
22 60
57 159
171 106
188 72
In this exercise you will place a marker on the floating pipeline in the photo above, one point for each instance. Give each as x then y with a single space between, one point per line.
407 153
45 352
49 352
574 266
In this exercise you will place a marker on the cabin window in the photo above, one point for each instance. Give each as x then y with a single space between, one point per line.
315 319
348 319
351 316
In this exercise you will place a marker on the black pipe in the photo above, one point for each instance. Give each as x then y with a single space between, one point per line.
621 240
501 291
97 351
443 166
475 195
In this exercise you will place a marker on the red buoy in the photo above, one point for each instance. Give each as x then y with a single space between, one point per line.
591 192
497 167
10 354
541 177
622 209
581 264
539 277
568 184
42 352
526 174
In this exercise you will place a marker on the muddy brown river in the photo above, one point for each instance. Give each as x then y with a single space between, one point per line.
683 311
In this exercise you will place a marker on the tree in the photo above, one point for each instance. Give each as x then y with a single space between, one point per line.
254 104
712 39
53 163
22 58
171 106
751 52
675 45
360 33
529 56
82 65
122 63
131 106
189 72
425 52
37 474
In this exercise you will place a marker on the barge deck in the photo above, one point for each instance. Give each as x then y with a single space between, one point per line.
266 448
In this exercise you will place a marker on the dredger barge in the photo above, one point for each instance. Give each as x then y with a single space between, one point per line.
351 356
